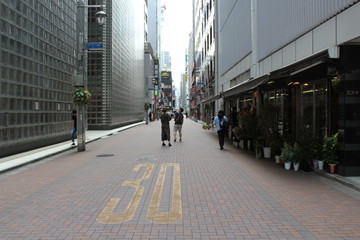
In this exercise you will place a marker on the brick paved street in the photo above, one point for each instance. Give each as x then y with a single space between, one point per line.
128 186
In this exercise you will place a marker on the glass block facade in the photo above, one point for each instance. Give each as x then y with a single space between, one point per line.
38 40
116 73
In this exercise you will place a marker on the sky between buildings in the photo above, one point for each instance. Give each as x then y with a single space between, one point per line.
175 34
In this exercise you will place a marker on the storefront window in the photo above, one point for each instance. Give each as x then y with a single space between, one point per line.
321 109
313 108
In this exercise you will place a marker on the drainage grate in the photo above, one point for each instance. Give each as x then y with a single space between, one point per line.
105 155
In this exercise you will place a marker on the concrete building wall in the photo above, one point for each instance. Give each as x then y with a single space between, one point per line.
283 21
234 33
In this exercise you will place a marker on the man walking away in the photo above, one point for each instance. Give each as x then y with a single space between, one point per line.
221 123
179 120
165 127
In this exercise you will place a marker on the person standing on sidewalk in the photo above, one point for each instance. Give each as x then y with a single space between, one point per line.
221 123
74 129
179 120
165 127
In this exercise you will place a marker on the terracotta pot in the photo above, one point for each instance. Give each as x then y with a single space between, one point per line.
332 168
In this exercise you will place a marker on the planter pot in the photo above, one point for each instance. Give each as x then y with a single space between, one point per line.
241 144
315 164
287 165
267 152
321 164
277 159
332 168
258 154
296 166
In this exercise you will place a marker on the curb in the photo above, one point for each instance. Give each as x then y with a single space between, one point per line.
340 179
49 151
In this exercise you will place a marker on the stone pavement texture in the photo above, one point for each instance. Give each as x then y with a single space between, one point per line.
128 186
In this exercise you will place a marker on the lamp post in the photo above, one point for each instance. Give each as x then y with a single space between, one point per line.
81 80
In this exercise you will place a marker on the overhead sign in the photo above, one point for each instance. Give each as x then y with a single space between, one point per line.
200 83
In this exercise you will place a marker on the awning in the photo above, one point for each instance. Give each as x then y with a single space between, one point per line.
246 86
300 66
212 99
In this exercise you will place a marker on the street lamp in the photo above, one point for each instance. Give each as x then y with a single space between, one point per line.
81 109
101 17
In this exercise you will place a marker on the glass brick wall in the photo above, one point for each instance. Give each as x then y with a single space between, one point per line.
37 62
116 74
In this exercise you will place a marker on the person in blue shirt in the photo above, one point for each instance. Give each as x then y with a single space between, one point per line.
221 130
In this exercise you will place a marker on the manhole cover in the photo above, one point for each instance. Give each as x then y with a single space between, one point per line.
105 155
147 158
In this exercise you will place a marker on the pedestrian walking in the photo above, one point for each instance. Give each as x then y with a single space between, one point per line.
179 120
165 127
150 116
221 124
74 129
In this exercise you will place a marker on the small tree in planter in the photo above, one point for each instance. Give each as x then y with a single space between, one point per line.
244 118
267 123
298 156
331 151
276 145
258 148
236 131
306 142
287 154
317 154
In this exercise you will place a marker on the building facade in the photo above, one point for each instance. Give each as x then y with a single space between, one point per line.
38 45
301 62
202 83
116 72
152 47
166 98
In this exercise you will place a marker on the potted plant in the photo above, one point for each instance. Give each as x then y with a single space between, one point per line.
81 96
276 145
317 153
258 148
236 137
244 118
297 156
206 126
287 154
330 149
305 141
267 124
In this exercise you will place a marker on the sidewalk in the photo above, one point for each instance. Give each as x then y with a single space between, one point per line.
8 163
352 182
17 160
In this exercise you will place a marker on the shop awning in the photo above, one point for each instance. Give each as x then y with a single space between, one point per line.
211 99
300 66
246 86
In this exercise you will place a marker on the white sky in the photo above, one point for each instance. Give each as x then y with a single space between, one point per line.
175 34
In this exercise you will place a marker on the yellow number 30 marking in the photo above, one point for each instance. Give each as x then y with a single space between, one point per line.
110 217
